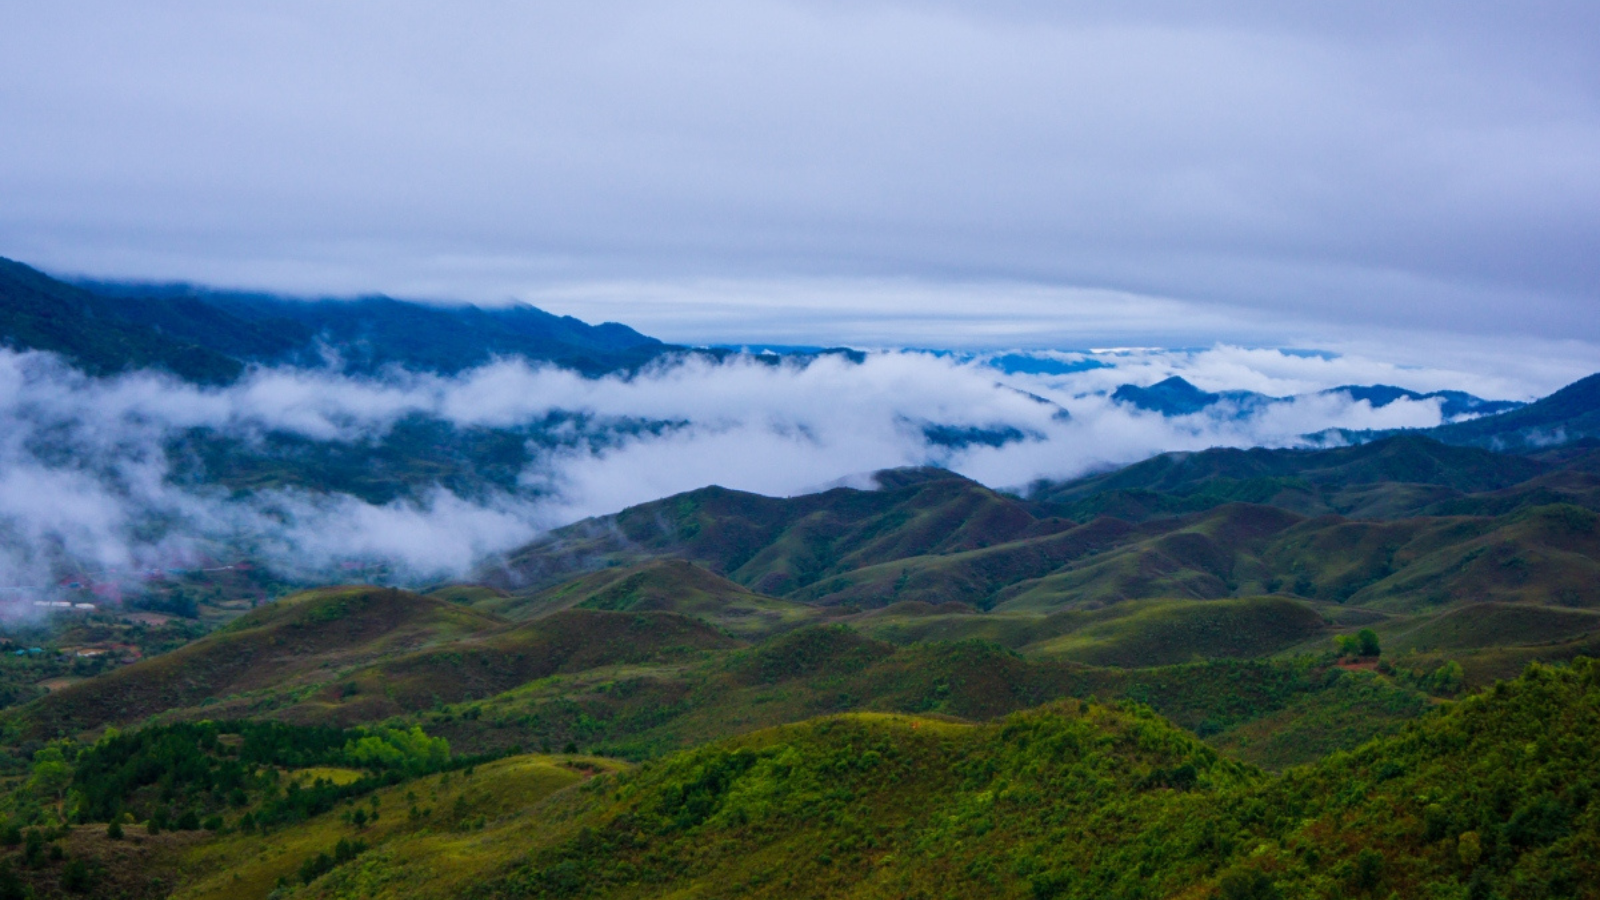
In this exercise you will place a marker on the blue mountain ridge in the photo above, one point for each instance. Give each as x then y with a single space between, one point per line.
1176 396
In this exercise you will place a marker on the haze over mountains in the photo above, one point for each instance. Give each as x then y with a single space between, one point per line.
455 433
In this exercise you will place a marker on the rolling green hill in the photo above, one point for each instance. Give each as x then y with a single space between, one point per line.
870 549
774 545
1383 479
669 585
1491 797
282 647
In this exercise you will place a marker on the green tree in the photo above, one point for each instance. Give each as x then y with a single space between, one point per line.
1249 884
76 876
11 886
1367 642
399 748
1447 679
50 773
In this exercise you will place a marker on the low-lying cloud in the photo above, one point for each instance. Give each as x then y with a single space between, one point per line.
89 481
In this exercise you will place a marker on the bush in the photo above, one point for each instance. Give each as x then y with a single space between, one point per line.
33 847
76 876
1369 870
323 863
1252 884
11 886
315 867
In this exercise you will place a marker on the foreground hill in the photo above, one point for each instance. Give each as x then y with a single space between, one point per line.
637 682
354 655
1077 800
1490 797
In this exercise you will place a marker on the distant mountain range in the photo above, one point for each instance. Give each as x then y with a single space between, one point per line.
1570 414
209 336
1175 396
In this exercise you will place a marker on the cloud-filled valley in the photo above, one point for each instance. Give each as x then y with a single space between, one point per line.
112 475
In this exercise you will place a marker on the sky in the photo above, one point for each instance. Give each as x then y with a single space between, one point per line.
1408 181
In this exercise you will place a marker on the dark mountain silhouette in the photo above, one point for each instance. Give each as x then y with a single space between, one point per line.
1570 414
1175 396
209 336
91 332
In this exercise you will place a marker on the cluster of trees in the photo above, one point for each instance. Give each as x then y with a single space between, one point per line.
187 774
317 866
1363 643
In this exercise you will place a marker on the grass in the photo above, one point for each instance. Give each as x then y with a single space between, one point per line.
464 824
330 774
644 711
1353 709
1157 632
674 586
1489 625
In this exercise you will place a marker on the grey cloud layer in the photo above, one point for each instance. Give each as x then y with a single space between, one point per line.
85 480
1405 165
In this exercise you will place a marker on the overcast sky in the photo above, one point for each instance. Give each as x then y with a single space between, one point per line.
955 174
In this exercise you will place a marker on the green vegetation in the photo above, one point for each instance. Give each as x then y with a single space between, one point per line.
1493 797
197 771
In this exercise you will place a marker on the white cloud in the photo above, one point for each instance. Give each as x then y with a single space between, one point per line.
85 480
